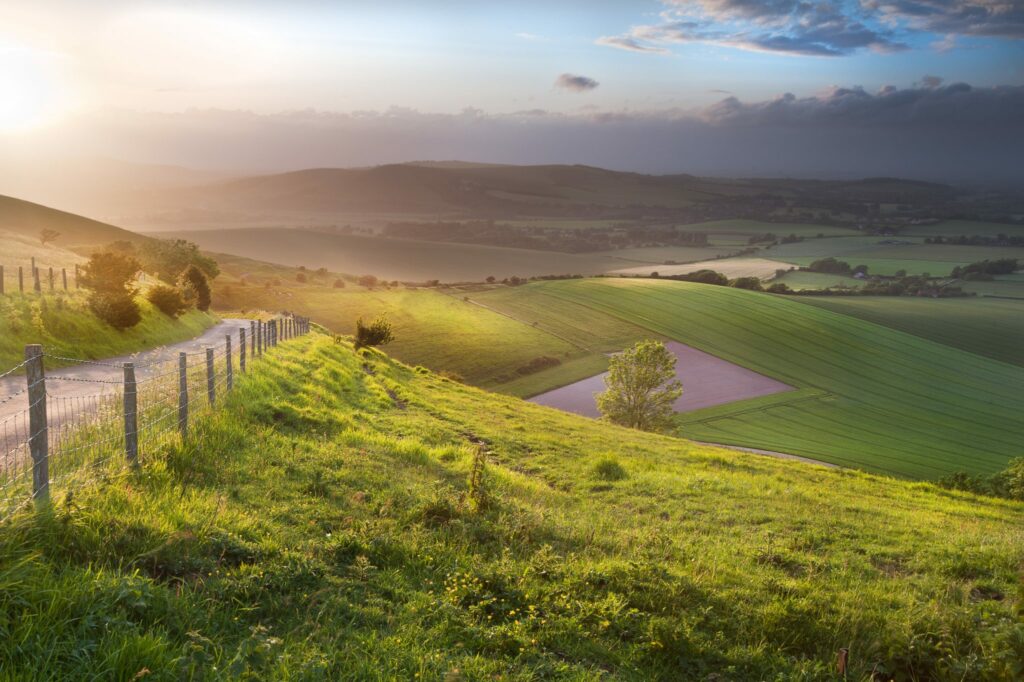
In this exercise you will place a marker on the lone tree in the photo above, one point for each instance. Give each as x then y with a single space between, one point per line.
110 277
641 387
47 235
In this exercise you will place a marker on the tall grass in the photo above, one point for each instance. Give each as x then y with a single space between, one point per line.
317 527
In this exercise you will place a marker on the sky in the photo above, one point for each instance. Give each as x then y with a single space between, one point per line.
932 87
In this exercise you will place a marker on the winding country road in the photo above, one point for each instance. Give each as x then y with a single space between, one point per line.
105 376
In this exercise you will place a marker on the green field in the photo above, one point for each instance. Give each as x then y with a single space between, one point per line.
432 328
883 400
798 280
956 228
993 328
321 526
1010 286
882 259
410 260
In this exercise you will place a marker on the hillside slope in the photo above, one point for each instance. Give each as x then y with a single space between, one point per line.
27 219
323 526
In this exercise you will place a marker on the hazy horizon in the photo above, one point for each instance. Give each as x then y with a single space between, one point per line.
846 89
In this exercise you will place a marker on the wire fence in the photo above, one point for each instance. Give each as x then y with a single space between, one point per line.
97 419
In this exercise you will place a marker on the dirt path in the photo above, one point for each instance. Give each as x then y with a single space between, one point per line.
105 376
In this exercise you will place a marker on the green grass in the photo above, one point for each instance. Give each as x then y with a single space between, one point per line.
64 325
320 526
440 331
890 401
993 328
816 280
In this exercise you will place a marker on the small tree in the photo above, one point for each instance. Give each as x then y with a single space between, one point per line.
47 235
377 333
641 387
194 282
110 277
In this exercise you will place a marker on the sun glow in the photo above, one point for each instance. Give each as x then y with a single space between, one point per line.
28 93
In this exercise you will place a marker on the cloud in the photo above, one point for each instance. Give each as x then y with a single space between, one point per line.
931 82
821 28
795 27
937 131
629 44
993 18
568 81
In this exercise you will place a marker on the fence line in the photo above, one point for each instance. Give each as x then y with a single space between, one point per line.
60 441
36 280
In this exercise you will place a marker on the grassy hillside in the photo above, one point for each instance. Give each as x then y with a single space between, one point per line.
876 398
27 220
993 328
64 324
322 526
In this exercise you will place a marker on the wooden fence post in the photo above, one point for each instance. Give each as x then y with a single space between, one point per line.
211 387
38 440
183 395
21 279
1 280
252 338
227 357
36 286
76 275
64 277
131 415
259 337
51 279
241 349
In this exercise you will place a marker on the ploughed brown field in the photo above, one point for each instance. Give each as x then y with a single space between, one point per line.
707 381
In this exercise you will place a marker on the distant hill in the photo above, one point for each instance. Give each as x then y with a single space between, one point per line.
27 220
453 187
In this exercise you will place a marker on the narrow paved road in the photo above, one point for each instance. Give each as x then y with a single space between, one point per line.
95 376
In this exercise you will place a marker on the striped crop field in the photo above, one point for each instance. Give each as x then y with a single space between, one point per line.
869 396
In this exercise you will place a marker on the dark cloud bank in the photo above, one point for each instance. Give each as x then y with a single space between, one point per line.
953 132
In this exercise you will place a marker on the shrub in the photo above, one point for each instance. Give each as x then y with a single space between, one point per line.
377 333
301 277
118 310
368 281
339 283
167 300
752 283
194 280
609 469
779 288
